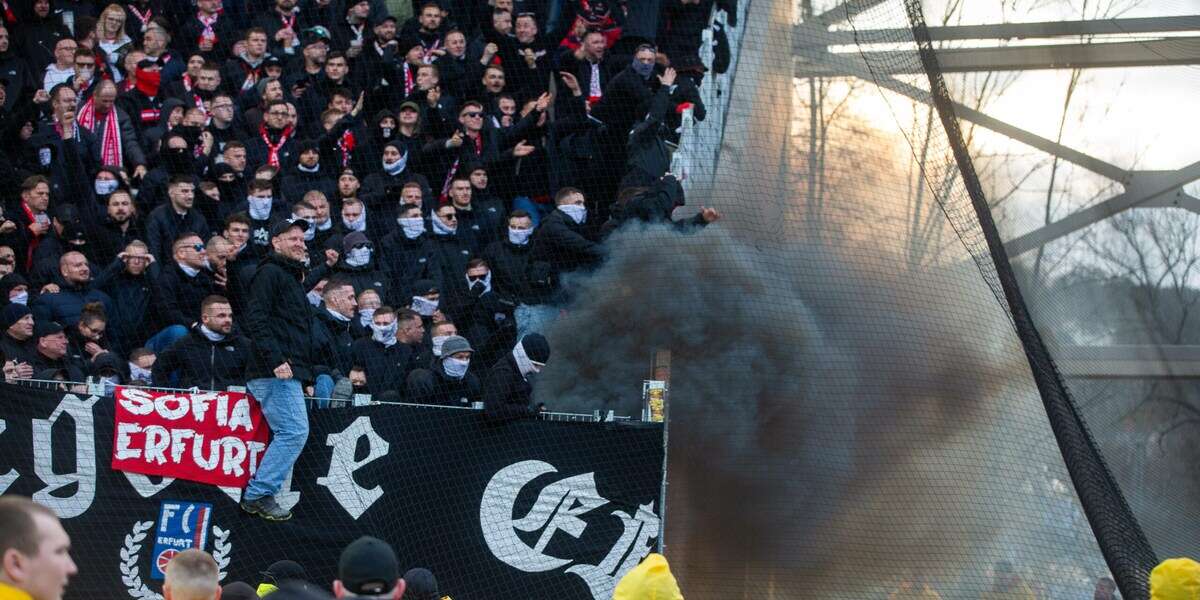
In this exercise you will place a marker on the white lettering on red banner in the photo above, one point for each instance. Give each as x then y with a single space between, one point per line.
210 437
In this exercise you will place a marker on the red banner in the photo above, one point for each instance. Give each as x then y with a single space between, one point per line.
210 437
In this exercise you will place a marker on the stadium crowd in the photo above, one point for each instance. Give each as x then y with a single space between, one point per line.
325 197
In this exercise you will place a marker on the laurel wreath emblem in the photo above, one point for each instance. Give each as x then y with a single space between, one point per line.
133 545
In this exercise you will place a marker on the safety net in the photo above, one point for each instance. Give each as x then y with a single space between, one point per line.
750 284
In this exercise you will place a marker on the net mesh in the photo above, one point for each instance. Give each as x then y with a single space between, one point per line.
867 398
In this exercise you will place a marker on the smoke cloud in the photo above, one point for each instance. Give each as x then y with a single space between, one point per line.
841 415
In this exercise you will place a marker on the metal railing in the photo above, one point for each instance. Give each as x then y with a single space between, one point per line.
97 388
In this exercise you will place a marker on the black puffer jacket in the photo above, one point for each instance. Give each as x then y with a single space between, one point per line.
433 386
278 320
506 395
202 363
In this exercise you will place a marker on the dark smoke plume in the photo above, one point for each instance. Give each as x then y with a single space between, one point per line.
841 415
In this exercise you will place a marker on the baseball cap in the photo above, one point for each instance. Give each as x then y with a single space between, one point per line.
281 226
368 567
420 584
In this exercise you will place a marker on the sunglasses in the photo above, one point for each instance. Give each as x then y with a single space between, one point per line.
6 260
451 217
472 114
198 247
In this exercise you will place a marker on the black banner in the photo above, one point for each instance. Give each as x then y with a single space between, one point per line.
528 509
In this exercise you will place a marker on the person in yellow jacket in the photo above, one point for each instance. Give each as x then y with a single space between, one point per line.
1175 579
35 551
651 580
914 587
1008 585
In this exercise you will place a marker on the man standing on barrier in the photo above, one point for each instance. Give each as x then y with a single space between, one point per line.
277 320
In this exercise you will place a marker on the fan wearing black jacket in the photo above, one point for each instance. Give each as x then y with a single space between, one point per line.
508 386
211 357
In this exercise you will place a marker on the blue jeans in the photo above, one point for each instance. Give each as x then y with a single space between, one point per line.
534 318
282 402
322 390
536 211
163 339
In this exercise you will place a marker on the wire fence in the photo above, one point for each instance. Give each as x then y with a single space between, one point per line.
99 388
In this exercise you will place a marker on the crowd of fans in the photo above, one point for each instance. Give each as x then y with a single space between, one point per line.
325 197
449 161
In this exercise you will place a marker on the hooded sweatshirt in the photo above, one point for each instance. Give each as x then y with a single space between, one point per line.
651 580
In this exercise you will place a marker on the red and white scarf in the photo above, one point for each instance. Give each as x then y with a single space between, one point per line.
445 195
110 139
208 23
346 145
144 17
273 149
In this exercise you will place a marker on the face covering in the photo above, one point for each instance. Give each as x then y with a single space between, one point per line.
480 285
365 315
576 212
211 335
397 167
359 224
325 226
456 368
314 298
413 227
385 335
385 133
440 228
260 208
310 233
337 315
105 187
147 82
424 306
358 257
312 169
645 70
438 340
519 237
526 366
85 74
20 298
137 373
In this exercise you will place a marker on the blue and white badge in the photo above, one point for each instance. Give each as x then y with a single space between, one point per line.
181 526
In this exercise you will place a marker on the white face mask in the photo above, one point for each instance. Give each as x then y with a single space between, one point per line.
365 315
395 168
438 340
105 187
260 207
358 257
385 335
310 232
576 212
424 306
20 298
359 224
519 237
455 367
137 373
441 228
314 298
413 226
